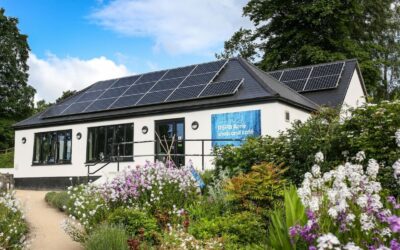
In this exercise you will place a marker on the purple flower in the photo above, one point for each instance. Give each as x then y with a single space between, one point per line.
394 223
312 248
394 245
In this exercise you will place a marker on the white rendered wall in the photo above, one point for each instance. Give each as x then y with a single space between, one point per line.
272 121
355 96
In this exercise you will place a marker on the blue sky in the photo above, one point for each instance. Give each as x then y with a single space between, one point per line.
75 43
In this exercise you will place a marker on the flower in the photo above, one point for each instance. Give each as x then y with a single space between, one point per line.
397 135
351 246
360 156
394 223
319 157
327 241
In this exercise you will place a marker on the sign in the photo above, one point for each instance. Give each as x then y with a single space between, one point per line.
237 125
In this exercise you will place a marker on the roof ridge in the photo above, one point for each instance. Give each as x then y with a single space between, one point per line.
312 65
257 71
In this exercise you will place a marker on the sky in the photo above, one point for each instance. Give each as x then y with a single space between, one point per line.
76 43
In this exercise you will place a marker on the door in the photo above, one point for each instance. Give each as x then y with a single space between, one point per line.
170 134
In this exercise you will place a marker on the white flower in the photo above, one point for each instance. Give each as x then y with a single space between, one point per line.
397 135
315 170
373 168
314 204
351 246
333 212
367 222
319 157
327 241
360 156
396 170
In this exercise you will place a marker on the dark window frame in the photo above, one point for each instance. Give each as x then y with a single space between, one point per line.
56 162
110 157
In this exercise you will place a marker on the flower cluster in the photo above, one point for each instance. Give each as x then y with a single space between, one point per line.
86 205
347 200
153 185
13 226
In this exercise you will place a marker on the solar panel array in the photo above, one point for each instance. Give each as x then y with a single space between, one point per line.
312 78
152 88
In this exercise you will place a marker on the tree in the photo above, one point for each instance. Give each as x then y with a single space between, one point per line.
42 105
16 96
296 33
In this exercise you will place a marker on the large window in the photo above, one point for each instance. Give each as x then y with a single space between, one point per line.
110 143
52 148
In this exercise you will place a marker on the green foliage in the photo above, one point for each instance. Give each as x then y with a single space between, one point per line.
7 160
136 223
259 190
65 94
58 200
282 219
13 227
107 237
240 228
297 33
370 128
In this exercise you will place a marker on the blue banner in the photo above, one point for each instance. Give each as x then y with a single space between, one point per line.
237 125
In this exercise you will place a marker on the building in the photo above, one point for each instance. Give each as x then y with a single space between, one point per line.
116 123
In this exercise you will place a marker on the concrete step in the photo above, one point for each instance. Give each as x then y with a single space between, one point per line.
106 177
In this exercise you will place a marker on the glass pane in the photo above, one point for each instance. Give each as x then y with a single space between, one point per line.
128 149
129 132
62 146
46 147
110 139
53 148
100 137
91 156
68 138
119 133
36 155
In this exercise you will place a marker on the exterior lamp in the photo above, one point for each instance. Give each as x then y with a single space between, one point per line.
145 129
23 140
79 135
195 125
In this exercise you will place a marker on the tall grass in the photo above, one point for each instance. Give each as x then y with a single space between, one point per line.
107 237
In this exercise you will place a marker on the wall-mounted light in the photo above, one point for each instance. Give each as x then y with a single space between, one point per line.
79 135
23 140
145 129
195 125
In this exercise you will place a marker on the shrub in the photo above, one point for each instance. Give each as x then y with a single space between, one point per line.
240 228
13 227
58 200
137 224
157 188
7 160
107 237
258 190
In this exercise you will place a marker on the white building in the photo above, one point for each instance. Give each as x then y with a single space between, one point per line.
116 122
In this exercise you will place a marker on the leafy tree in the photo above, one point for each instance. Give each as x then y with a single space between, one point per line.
296 33
42 105
16 96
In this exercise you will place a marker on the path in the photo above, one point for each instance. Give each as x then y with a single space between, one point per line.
46 232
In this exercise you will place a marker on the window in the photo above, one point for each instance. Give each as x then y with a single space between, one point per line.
107 143
287 116
52 147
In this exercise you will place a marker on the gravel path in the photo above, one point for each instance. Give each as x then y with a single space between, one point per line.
44 221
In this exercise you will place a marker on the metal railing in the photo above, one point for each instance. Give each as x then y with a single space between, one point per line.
202 155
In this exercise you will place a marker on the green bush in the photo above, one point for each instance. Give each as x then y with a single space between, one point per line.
7 160
107 237
370 128
57 200
238 229
136 223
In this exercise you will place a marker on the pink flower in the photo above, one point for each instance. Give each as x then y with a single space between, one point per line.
394 222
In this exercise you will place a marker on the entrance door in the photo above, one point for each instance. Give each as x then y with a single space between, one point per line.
171 134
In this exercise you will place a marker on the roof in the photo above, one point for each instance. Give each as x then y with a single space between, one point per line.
321 92
250 85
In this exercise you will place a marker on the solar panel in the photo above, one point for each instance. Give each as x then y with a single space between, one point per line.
90 96
295 74
102 85
167 84
221 88
100 104
150 88
151 77
126 101
186 93
297 85
324 82
155 97
76 108
318 77
126 81
198 79
139 88
179 72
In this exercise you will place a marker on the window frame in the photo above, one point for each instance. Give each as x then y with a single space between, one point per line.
66 162
112 157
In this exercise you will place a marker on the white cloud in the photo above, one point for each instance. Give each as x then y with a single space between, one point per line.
50 76
177 26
